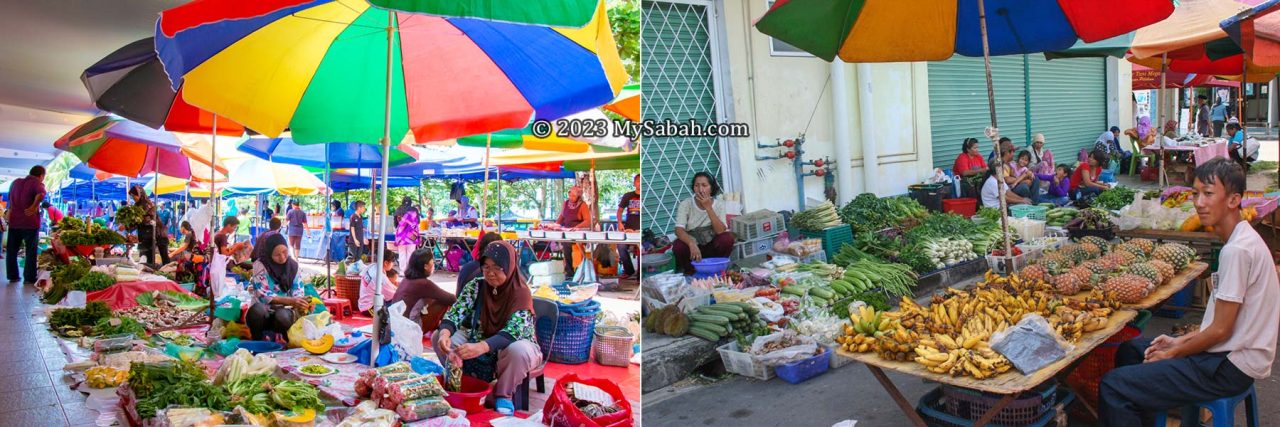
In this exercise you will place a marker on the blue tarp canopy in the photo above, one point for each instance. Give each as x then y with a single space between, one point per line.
111 189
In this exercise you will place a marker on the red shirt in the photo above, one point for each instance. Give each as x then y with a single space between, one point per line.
966 162
1078 176
55 215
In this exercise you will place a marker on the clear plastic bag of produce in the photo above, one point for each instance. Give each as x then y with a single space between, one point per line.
1030 345
770 310
822 327
780 348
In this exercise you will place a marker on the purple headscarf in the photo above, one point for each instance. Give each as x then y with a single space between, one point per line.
1144 127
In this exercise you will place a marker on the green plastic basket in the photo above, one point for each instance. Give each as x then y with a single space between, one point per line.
1029 212
832 238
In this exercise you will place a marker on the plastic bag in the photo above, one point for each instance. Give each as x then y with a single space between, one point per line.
218 275
406 334
770 310
1030 345
804 348
317 323
561 410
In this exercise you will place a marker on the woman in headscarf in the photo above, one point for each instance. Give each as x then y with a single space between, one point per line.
406 203
464 215
490 330
151 241
279 297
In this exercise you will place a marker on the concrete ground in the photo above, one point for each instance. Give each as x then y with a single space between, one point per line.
852 393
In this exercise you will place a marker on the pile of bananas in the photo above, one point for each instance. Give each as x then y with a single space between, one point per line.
951 334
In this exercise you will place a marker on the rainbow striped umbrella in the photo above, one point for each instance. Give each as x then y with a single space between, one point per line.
125 148
320 69
559 13
627 104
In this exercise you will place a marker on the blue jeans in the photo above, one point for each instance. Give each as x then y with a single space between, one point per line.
22 239
1057 201
1083 192
1030 191
1131 393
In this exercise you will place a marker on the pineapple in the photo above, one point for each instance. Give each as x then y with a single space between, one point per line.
1087 276
1146 271
1075 253
1056 263
1166 271
1067 284
1035 273
1177 255
1123 259
1135 250
1096 241
1111 262
1093 250
1096 268
1129 288
1147 246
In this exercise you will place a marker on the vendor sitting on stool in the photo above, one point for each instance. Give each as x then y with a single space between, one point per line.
280 298
1236 344
490 329
701 228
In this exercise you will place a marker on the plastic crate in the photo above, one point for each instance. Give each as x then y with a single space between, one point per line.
750 248
1088 374
966 207
832 238
802 370
929 195
757 225
1029 211
1025 409
996 263
742 363
838 361
1180 299
932 410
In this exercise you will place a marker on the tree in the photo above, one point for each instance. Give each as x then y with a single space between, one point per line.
624 17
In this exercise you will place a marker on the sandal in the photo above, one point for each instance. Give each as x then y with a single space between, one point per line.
504 406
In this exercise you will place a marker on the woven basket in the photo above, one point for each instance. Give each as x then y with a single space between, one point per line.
613 346
573 335
349 288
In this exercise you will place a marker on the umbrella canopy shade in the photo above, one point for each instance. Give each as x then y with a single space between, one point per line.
1231 65
508 174
531 157
125 148
85 173
334 155
525 138
319 69
347 182
627 104
1257 31
1193 23
167 185
560 13
1116 46
131 83
872 31
256 176
1145 78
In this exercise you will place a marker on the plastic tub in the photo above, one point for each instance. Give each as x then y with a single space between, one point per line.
800 371
966 206
711 265
256 347
471 398
929 195
1180 299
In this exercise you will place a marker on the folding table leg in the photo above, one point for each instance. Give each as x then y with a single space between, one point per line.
907 409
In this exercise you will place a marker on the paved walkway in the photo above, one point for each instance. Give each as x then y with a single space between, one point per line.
32 389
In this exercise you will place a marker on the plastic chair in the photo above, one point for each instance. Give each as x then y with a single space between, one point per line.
546 315
1137 157
1223 410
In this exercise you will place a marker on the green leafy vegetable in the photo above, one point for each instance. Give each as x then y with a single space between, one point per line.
130 217
1115 198
158 385
77 317
93 281
296 395
118 325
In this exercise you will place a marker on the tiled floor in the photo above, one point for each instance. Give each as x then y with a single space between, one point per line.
33 391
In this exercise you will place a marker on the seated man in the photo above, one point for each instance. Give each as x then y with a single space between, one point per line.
1236 343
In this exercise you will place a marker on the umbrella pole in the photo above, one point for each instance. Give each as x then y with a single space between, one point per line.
1164 70
382 215
328 218
484 192
1244 81
498 172
991 107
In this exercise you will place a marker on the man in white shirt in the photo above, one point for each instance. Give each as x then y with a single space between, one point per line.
1236 343
991 193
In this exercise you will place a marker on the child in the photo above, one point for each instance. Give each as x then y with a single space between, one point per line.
1059 185
1026 183
393 276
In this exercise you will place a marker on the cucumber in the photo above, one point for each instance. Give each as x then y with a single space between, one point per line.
726 307
710 318
843 287
793 290
704 334
822 293
819 301
743 316
746 306
710 327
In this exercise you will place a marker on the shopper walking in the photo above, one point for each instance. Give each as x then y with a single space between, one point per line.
25 196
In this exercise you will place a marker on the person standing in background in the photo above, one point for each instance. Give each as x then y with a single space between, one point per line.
297 226
629 220
1202 115
355 240
1219 117
25 196
573 216
55 214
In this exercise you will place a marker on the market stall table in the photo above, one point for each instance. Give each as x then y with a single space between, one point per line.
1202 154
1009 385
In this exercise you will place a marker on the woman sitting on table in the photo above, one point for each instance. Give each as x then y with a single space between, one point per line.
490 330
701 228
418 291
279 297
1084 181
574 215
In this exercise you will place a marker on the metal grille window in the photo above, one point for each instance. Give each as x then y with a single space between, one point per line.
678 85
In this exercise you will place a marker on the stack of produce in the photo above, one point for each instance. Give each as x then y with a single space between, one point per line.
866 212
946 251
1058 217
105 376
130 217
415 398
62 278
717 321
820 269
819 218
951 335
668 320
159 385
1115 198
242 364
1091 219
74 232
1193 222
76 322
165 313
93 281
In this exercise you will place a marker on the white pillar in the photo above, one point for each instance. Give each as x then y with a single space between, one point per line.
840 121
867 126
1271 105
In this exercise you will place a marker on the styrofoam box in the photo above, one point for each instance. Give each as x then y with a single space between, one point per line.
545 268
546 280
